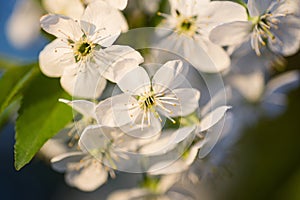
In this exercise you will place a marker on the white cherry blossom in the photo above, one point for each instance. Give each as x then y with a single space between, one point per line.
70 8
119 4
82 170
85 169
75 8
207 134
272 24
153 189
146 102
192 22
83 54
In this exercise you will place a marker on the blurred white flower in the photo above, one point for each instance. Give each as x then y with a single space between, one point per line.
152 188
274 100
272 24
82 170
70 8
179 165
206 137
75 8
28 12
119 4
88 169
144 103
83 54
192 22
23 25
87 110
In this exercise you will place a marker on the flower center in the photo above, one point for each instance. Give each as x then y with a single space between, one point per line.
264 25
85 48
186 25
147 102
150 101
82 49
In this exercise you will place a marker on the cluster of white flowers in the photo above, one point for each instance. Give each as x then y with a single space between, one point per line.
155 122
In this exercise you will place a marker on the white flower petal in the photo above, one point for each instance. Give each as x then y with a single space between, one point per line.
191 50
167 141
119 4
141 129
129 194
113 56
166 182
275 98
219 12
258 7
114 110
87 83
70 8
187 7
220 98
212 118
212 136
95 137
86 108
61 26
87 179
122 67
218 56
182 133
135 82
108 22
193 152
283 83
286 42
133 144
60 162
186 103
55 57
160 146
170 76
168 167
232 33
252 92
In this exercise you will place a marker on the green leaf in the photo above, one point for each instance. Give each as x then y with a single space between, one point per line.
41 116
13 81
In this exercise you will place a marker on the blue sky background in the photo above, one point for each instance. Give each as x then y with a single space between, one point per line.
6 49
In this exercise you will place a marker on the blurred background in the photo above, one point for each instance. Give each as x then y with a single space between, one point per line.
264 164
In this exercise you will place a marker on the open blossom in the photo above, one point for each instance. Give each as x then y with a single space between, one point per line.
87 110
155 189
192 22
146 102
203 142
75 8
85 169
97 157
272 24
83 54
28 12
